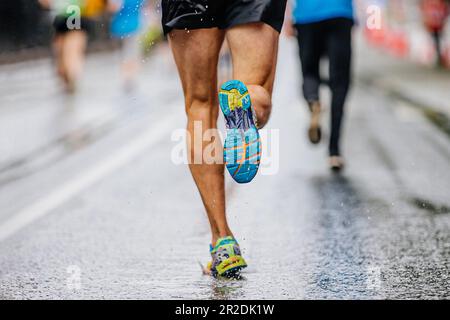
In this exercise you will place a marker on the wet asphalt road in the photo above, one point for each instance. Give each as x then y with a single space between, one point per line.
92 205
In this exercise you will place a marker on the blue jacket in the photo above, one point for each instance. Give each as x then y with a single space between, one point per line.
309 11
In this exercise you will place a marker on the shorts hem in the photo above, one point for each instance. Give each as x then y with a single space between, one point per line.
277 28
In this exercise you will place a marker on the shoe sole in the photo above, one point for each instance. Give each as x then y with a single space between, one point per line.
242 147
231 267
336 169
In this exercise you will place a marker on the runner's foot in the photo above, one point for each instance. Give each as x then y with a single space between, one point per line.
314 131
242 149
336 163
226 259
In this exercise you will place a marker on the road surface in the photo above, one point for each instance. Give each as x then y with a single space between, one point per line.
93 203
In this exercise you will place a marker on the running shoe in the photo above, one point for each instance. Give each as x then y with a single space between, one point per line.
226 259
242 149
336 163
314 131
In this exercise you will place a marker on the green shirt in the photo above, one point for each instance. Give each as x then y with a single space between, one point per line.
62 7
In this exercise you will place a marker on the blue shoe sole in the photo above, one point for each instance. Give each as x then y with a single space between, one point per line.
242 148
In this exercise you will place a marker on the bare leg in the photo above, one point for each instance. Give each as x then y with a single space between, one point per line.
57 51
129 70
196 54
73 51
130 60
254 49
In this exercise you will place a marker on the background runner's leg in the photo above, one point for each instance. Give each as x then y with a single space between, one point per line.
339 47
254 49
73 54
311 48
196 54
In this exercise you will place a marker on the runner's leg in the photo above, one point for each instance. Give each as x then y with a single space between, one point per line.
254 49
57 51
196 54
339 47
311 50
73 52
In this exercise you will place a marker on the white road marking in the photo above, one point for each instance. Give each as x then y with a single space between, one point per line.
98 171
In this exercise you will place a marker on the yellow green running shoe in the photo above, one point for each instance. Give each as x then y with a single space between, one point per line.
226 259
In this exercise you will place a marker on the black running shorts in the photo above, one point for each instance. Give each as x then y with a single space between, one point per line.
222 14
60 24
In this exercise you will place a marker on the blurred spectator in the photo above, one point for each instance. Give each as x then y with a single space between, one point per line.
434 15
